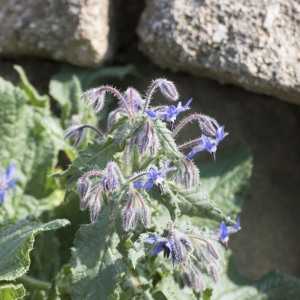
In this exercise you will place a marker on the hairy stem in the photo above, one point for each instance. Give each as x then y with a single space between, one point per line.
185 122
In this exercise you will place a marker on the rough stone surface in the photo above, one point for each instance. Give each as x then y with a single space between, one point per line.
251 43
74 31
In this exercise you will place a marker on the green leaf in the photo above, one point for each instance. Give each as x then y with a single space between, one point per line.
167 143
16 242
31 137
196 203
11 291
168 288
43 265
274 285
66 88
34 97
96 264
96 155
227 179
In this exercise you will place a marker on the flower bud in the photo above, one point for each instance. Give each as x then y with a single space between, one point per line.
77 131
95 95
83 187
213 272
168 89
208 125
95 206
196 279
144 211
188 173
129 213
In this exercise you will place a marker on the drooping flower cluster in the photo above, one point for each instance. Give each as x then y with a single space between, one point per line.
7 180
147 152
197 254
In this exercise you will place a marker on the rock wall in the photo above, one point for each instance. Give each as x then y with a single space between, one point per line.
73 31
251 43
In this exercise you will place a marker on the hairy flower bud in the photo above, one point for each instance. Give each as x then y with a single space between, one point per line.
129 213
208 125
196 279
95 205
83 187
213 272
95 95
187 173
77 132
111 179
178 244
168 89
144 211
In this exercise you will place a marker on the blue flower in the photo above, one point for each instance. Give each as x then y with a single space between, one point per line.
156 178
225 231
171 113
209 144
7 180
162 244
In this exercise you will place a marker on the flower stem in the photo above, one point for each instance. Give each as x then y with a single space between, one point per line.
42 285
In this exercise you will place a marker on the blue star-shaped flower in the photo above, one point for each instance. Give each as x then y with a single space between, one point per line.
7 180
225 231
162 244
156 178
209 144
171 113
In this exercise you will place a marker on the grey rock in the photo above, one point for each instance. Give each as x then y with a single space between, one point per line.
251 43
74 31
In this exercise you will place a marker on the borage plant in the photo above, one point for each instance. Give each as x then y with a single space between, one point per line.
140 186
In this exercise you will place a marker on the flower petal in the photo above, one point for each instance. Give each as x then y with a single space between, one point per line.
220 134
138 184
10 172
151 114
158 248
2 192
237 224
153 174
186 106
148 185
152 240
223 232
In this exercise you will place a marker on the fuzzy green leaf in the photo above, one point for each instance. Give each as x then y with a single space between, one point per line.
11 291
96 264
167 143
16 242
196 203
274 285
227 179
96 155
35 98
31 137
169 289
66 88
